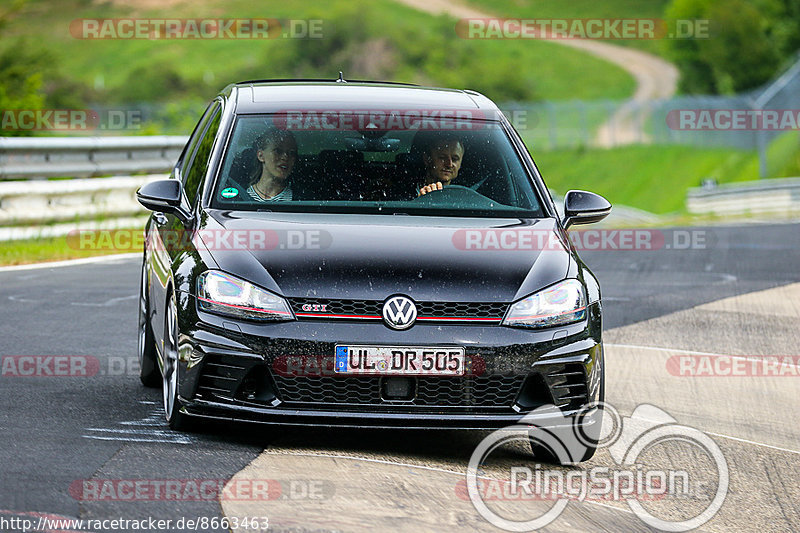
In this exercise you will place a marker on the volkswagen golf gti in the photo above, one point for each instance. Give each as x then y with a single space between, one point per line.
366 254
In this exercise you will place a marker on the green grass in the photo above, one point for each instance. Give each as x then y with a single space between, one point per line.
379 40
50 249
656 178
583 9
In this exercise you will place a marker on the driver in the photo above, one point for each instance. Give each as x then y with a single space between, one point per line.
442 162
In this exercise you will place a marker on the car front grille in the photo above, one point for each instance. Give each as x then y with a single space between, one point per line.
484 392
319 308
229 378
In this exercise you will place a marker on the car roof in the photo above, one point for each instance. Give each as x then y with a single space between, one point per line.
270 96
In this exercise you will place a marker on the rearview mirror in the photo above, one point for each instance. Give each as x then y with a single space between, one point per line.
584 207
165 196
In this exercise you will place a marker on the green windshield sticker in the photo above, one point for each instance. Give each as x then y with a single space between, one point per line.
230 192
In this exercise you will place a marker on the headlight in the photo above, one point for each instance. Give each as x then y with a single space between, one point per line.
557 305
226 295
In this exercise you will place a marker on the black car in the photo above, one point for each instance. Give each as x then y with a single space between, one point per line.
303 267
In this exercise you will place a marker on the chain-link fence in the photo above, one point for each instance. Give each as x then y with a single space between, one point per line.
748 121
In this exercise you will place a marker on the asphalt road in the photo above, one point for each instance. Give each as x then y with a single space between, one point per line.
58 433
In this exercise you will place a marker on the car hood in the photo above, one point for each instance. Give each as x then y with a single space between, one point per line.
374 256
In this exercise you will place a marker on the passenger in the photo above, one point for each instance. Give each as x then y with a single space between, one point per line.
442 160
276 152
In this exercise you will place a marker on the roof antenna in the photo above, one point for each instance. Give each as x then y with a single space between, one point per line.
341 78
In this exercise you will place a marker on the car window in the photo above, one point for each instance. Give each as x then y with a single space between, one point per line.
198 166
191 144
357 167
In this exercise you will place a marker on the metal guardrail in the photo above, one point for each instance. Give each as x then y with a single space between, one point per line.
31 205
780 195
43 157
47 201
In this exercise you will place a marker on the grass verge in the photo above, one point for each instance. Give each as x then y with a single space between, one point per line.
656 178
21 252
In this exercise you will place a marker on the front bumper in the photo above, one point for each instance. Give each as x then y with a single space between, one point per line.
234 370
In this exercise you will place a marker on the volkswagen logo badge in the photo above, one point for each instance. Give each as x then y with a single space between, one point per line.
399 312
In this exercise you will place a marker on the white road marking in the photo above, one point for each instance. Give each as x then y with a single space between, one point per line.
20 299
136 439
72 262
692 352
157 432
147 433
107 303
754 443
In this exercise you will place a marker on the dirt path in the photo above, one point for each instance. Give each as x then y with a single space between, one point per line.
655 77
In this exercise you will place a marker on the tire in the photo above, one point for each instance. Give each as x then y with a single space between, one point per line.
575 444
149 373
562 447
591 438
172 407
546 454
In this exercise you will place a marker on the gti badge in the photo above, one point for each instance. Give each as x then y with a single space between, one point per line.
399 312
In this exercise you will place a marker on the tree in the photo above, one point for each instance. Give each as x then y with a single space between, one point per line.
740 52
20 85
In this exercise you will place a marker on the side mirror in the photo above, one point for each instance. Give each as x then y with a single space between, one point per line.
165 196
583 207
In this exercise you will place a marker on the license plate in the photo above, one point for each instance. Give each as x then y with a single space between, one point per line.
400 360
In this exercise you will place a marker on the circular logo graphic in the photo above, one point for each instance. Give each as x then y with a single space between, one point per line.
626 439
399 312
230 192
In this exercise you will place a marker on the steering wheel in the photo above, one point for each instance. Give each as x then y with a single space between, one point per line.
455 194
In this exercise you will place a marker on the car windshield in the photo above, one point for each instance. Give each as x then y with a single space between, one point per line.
373 163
